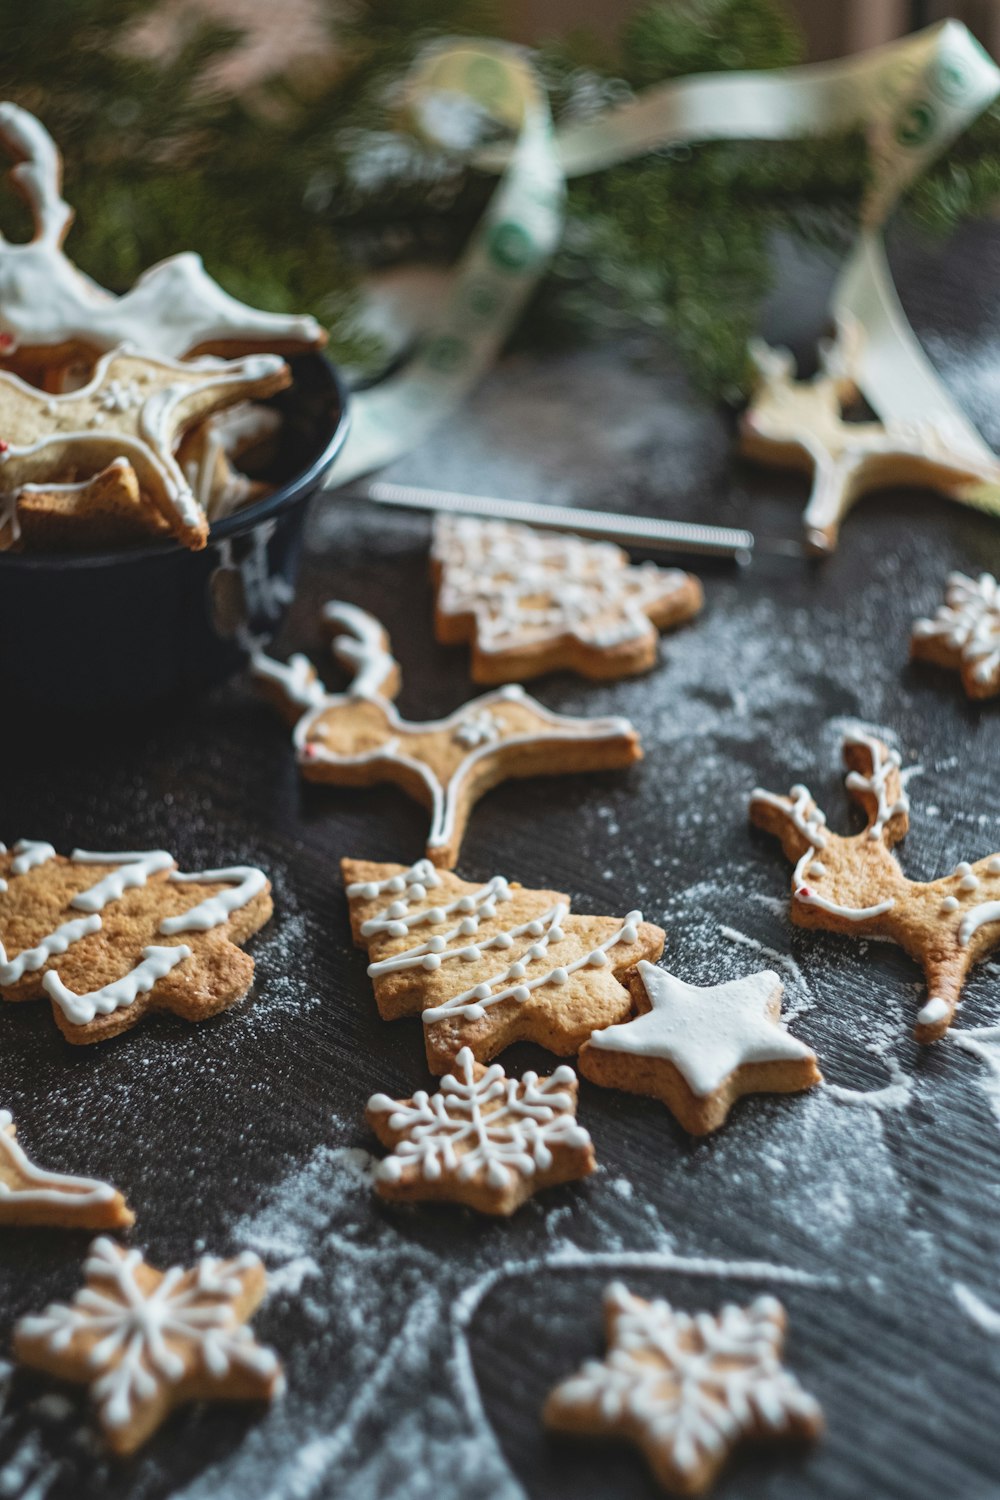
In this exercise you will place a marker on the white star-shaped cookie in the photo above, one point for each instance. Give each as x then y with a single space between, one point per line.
699 1050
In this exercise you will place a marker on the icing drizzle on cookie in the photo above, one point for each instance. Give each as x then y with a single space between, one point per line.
37 1185
969 623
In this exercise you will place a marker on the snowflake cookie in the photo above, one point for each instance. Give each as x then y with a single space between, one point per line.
31 1195
965 633
686 1388
491 964
855 886
107 937
358 739
146 1340
699 1050
483 1139
534 601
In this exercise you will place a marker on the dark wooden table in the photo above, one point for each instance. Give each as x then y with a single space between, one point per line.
419 1344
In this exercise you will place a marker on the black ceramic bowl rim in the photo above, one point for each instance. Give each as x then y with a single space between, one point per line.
242 520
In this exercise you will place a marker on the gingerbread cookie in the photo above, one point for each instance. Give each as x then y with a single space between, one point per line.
699 1050
212 454
800 424
854 885
51 314
358 739
108 937
135 408
965 633
535 601
146 1341
488 965
483 1139
686 1388
87 515
29 1195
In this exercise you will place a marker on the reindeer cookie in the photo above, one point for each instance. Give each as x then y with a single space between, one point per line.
107 937
800 424
51 314
358 739
855 886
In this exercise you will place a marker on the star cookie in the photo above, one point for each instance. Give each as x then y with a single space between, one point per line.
51 314
29 1195
699 1050
800 424
854 885
686 1388
488 965
533 601
965 633
108 937
358 739
136 408
483 1139
146 1341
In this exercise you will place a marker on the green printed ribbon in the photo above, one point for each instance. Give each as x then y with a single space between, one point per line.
913 98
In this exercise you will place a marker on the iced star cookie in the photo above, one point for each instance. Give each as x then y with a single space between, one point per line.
686 1388
483 1139
30 1195
699 1050
357 738
135 408
51 314
855 886
486 965
145 1341
964 634
108 937
800 424
534 601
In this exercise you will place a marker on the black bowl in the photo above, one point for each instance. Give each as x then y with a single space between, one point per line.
113 630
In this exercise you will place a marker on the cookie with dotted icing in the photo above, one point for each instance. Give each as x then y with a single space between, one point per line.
106 937
32 1195
135 407
145 1341
535 601
855 886
358 739
686 1388
484 1140
491 963
964 634
699 1050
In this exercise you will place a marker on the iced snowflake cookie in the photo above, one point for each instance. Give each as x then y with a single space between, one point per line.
51 314
534 601
146 1341
486 965
699 1050
357 738
964 633
30 1195
800 424
686 1388
855 886
483 1139
135 408
108 937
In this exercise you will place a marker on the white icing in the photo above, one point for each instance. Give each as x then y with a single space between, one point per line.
497 1126
935 1009
876 782
81 1009
32 959
949 904
967 879
479 728
979 916
362 647
969 623
137 1330
30 854
693 1383
807 817
297 679
135 869
705 1033
807 897
248 882
43 1187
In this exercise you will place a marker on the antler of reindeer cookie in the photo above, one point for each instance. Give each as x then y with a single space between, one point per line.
357 738
854 885
50 312
800 424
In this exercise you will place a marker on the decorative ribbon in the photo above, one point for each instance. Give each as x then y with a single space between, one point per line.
912 97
